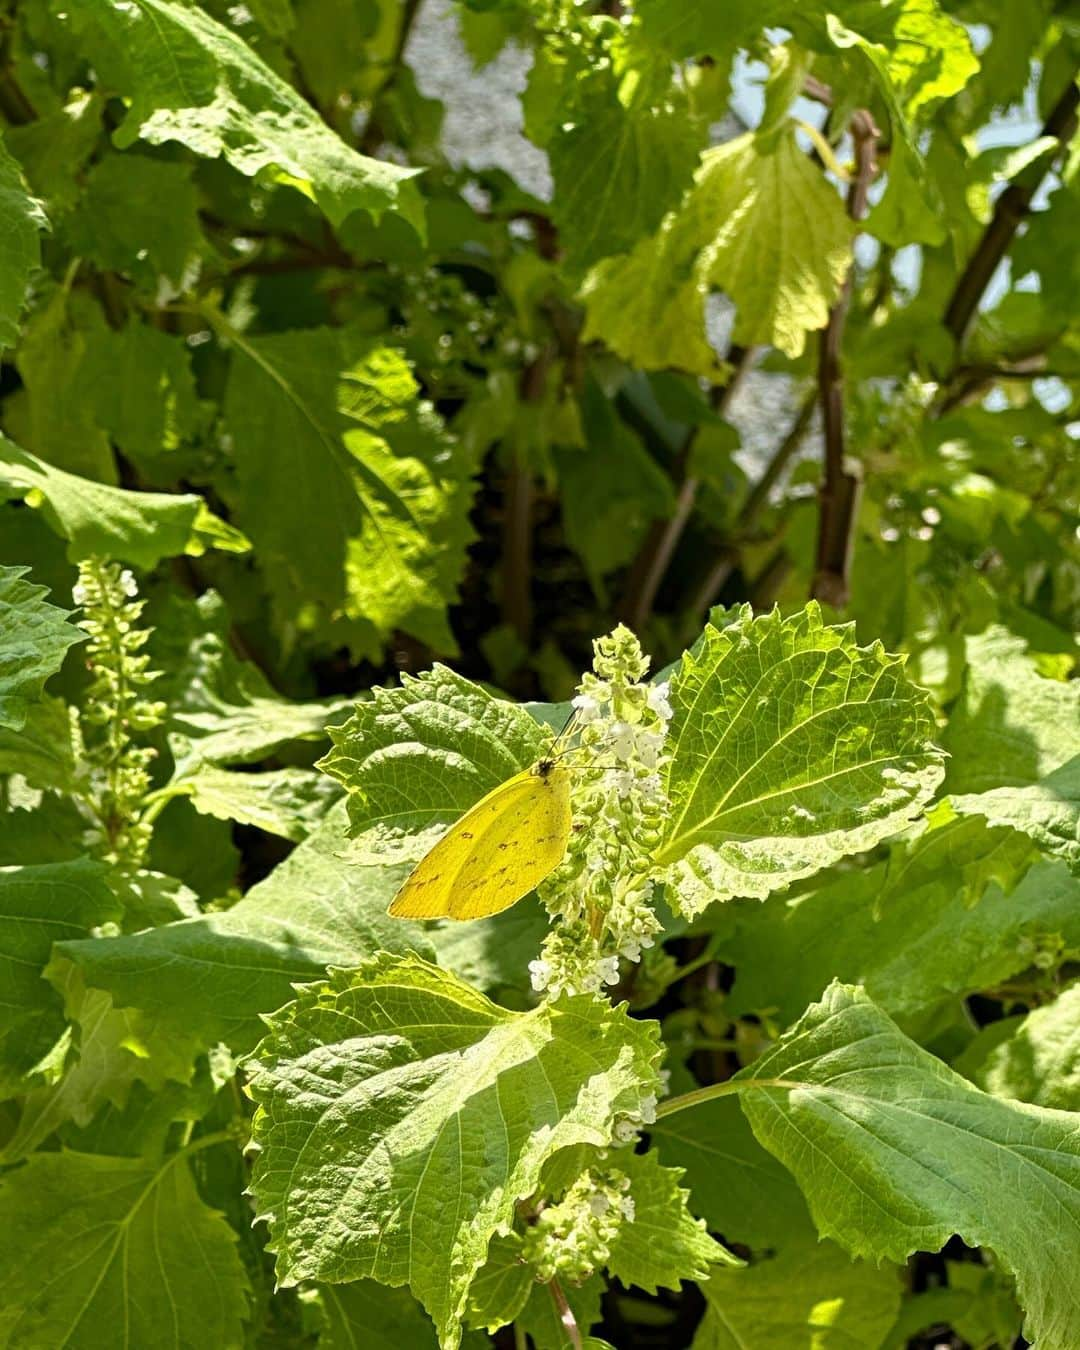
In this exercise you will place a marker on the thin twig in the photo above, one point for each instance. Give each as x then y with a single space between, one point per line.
1010 210
839 494
648 569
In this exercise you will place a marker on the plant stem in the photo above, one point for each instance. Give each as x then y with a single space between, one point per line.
566 1314
1010 210
648 569
714 1090
840 490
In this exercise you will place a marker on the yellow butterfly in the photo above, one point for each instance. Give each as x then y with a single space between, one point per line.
496 853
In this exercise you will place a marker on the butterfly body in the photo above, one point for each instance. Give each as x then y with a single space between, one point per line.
497 852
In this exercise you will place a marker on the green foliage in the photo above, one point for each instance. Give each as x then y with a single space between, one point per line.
105 1226
34 638
716 436
812 1093
439 1060
842 759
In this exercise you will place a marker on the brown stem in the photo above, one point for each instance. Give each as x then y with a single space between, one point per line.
566 1314
839 494
1010 210
648 569
728 558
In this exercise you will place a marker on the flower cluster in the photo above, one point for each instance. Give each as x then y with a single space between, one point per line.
115 709
572 1239
600 894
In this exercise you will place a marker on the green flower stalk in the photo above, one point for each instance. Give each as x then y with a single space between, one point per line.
572 1239
116 710
600 894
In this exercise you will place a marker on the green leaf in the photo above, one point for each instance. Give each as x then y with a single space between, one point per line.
611 493
287 802
327 427
617 170
42 750
370 1314
811 1296
189 79
20 251
162 239
49 831
915 949
415 758
112 1049
140 528
34 639
896 1153
664 1244
40 905
88 386
223 707
1037 1059
401 1116
53 148
1014 737
763 223
214 976
791 747
96 1252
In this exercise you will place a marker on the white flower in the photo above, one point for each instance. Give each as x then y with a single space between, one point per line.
626 1204
599 1204
624 1132
608 969
658 700
540 974
589 704
128 584
625 782
649 745
650 787
648 1109
79 593
621 739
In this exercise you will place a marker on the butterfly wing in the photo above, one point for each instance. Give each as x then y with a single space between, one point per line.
498 851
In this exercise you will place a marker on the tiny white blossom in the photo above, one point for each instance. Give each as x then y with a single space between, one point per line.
540 974
650 787
621 739
624 1132
128 584
590 704
79 593
608 969
626 1204
648 1109
599 1204
649 745
625 782
658 700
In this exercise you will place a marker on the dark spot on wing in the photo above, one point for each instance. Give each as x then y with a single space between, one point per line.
465 834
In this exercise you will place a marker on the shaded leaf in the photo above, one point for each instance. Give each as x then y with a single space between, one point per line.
34 639
92 1248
